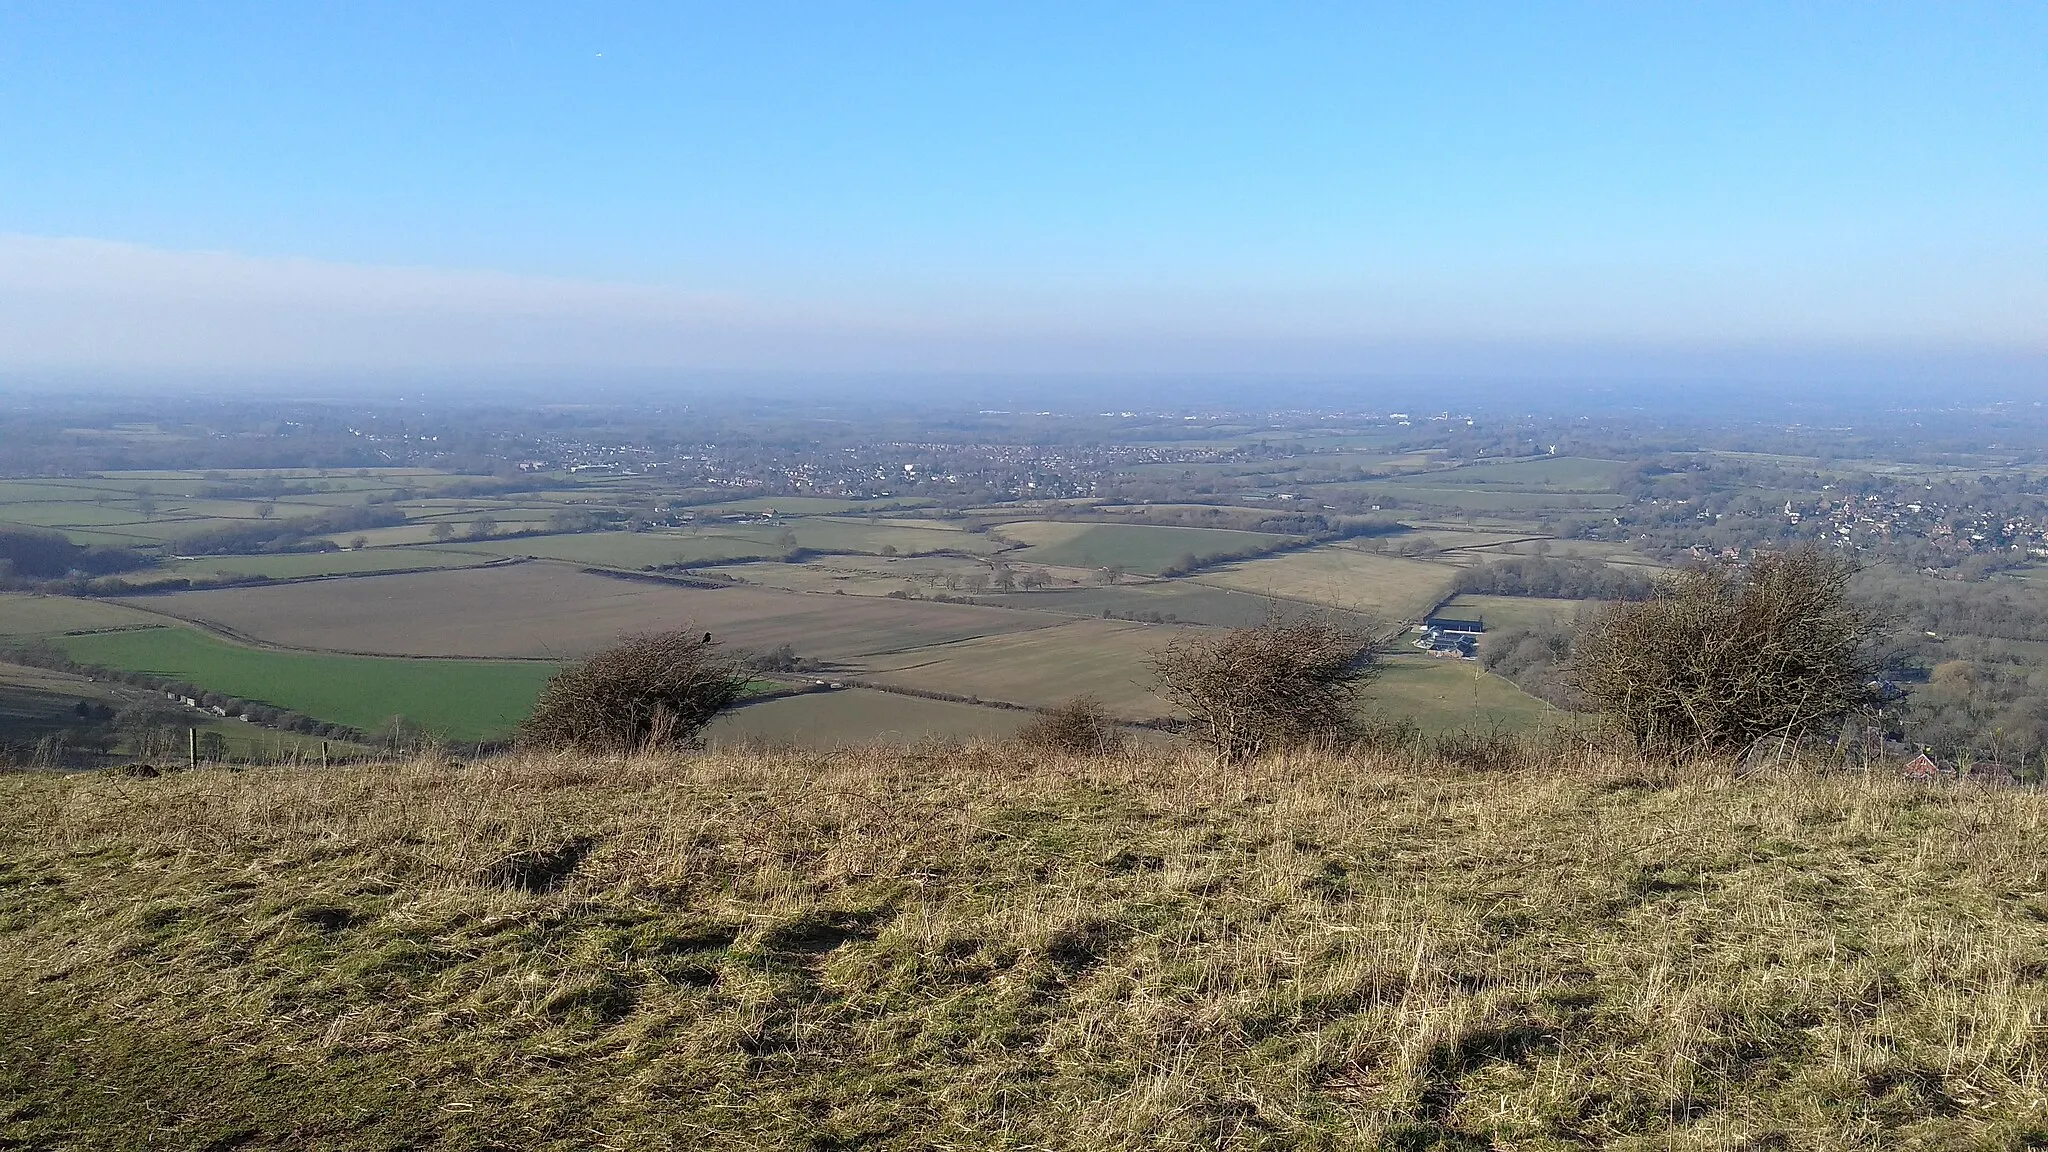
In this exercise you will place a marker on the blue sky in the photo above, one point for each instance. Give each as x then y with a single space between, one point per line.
979 185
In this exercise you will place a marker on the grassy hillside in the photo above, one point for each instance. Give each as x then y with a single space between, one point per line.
980 948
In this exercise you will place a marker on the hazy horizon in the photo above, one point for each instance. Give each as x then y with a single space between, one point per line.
1832 196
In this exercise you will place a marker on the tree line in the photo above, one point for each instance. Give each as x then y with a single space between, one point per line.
1557 578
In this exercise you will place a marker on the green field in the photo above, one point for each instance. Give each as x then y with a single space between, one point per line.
1447 695
32 514
454 699
62 491
1134 547
35 702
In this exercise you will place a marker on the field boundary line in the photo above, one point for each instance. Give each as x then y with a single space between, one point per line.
234 636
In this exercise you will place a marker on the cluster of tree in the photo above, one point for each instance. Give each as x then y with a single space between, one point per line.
1724 655
1407 544
297 533
1192 562
1292 682
1982 699
1975 688
1148 617
1999 609
783 660
1081 726
31 554
1552 577
651 691
1535 659
913 594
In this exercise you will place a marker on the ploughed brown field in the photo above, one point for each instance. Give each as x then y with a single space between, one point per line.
553 610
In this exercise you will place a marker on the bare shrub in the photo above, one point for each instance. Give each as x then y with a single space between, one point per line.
1723 655
1290 682
1081 725
649 691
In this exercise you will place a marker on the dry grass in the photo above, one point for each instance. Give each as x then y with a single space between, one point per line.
976 947
859 716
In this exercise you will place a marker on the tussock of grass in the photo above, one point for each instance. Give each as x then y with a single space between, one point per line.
979 947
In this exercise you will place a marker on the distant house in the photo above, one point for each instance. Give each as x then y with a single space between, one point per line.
1448 644
1452 625
1924 769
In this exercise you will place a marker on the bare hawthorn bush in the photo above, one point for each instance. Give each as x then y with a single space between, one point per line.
1723 655
653 690
1291 682
1081 725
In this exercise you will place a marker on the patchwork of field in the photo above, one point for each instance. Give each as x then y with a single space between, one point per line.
16 492
1176 601
1454 538
293 565
632 550
860 716
454 602
1540 474
1448 695
32 514
1105 659
833 534
1302 469
385 475
540 610
1144 548
1400 494
1385 587
454 699
713 543
813 505
854 575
